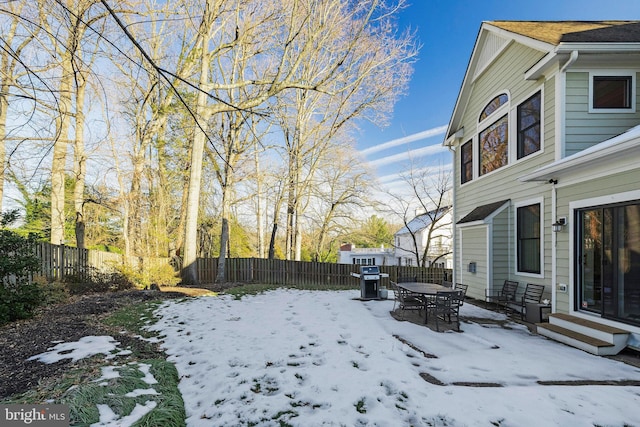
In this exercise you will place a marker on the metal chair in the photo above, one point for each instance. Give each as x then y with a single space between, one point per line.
447 306
503 297
406 300
463 288
532 294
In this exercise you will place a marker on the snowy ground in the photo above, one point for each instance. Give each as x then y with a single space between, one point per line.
322 358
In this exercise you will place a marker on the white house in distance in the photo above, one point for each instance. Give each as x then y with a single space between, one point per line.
350 254
440 248
546 142
404 252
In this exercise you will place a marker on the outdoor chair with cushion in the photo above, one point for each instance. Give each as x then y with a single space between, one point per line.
505 296
447 307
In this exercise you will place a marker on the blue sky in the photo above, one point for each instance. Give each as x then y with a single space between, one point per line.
447 31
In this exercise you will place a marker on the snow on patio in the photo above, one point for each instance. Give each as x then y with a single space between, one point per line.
322 358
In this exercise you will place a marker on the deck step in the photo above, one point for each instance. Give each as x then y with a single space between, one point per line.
576 339
576 323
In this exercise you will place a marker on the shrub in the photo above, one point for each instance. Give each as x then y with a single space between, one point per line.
18 297
163 275
94 280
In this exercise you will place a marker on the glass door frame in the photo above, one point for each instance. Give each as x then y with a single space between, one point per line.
611 256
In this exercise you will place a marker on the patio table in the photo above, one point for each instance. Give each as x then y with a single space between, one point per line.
427 289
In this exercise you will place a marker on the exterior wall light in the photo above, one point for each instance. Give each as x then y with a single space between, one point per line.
559 224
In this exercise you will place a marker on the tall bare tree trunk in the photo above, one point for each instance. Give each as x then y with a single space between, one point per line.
80 161
60 150
259 219
190 253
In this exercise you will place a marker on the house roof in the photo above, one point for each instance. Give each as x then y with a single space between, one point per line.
422 221
481 213
555 40
556 32
619 150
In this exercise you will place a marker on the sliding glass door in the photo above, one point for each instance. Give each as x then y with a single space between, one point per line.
608 267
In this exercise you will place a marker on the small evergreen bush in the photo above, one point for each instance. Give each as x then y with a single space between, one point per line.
18 296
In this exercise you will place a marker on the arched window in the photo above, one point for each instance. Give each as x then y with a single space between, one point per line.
493 105
493 138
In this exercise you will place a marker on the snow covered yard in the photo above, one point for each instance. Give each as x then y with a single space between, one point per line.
309 358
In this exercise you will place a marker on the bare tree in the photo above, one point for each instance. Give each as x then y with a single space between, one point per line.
338 193
15 39
74 20
424 209
372 75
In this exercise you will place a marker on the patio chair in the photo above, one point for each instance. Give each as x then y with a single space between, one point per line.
532 294
406 300
503 297
463 288
447 307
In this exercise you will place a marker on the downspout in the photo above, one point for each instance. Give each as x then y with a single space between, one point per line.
572 58
554 273
453 219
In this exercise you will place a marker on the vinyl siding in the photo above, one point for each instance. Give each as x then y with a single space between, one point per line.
501 248
584 129
474 249
506 74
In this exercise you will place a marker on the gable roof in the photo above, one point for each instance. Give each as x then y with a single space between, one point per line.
422 221
556 32
555 40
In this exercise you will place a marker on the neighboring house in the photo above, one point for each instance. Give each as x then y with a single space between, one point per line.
413 238
546 148
350 254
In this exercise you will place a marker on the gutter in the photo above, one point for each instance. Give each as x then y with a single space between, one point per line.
572 58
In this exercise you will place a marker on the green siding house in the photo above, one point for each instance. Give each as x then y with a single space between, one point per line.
545 136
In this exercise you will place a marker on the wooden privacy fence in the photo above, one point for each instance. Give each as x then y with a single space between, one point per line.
300 273
60 261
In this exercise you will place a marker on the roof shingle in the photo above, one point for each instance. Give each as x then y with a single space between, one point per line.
556 32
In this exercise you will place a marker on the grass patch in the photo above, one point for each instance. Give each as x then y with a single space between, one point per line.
134 318
169 410
83 389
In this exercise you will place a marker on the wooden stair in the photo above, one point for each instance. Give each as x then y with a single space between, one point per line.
587 335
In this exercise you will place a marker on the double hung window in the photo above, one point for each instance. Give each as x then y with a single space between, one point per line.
529 125
529 239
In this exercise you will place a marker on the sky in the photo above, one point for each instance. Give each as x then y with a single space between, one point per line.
311 358
447 31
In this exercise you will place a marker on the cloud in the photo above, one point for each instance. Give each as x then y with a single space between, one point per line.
410 154
405 140
429 170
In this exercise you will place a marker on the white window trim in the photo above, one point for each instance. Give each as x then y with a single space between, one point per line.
513 155
613 73
511 109
536 201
